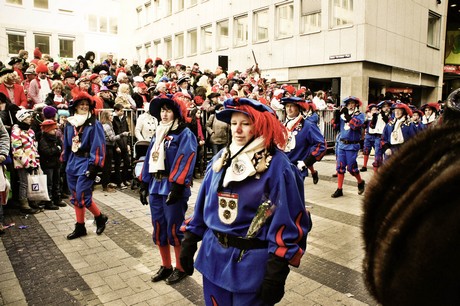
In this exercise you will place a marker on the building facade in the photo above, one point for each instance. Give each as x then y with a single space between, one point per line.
351 47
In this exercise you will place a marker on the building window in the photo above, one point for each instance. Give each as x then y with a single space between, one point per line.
179 45
92 23
180 5
434 29
43 42
147 49
168 7
113 25
41 4
16 2
168 47
193 2
261 23
192 42
156 48
310 16
206 39
67 6
138 54
66 48
139 16
15 43
240 31
156 10
148 12
103 24
222 34
341 12
285 20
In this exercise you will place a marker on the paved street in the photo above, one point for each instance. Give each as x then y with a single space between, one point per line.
39 266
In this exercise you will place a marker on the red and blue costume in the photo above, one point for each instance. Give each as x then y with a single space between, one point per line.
350 123
348 144
180 156
91 152
285 232
398 130
252 226
305 141
83 153
373 135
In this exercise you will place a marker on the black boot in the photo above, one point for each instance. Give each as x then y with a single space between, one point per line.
337 193
101 220
50 206
25 208
58 202
37 205
162 274
79 231
315 177
361 187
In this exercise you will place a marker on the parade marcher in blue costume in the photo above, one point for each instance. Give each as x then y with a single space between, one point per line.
250 212
417 119
351 122
430 113
306 145
84 153
374 130
398 130
166 178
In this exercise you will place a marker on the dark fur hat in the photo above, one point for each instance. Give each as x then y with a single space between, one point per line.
411 225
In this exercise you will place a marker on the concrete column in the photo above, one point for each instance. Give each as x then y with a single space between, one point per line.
357 86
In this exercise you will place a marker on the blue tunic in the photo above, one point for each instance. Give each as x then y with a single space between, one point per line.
285 231
308 141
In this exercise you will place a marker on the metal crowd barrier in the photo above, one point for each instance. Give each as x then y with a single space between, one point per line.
325 126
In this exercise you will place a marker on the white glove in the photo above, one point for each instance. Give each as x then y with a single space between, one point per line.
301 165
125 133
388 152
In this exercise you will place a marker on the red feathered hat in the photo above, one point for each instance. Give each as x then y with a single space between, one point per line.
352 98
432 105
80 95
263 117
370 106
404 107
297 101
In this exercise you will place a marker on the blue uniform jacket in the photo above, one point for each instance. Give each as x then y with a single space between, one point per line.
351 131
408 130
92 147
286 230
309 141
180 149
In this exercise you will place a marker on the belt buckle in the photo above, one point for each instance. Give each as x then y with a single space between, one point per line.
223 239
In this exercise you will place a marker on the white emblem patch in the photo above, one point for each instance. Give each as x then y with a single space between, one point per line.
228 207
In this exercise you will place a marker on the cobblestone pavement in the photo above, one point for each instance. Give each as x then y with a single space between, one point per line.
39 266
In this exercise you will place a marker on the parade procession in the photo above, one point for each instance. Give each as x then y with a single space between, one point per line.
284 172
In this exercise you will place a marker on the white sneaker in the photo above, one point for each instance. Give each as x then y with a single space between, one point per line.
122 186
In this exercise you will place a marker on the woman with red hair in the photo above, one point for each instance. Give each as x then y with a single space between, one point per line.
84 153
166 178
250 212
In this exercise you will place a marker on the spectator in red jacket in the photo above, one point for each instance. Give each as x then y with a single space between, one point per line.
10 87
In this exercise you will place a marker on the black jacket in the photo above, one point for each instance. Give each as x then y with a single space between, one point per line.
49 148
